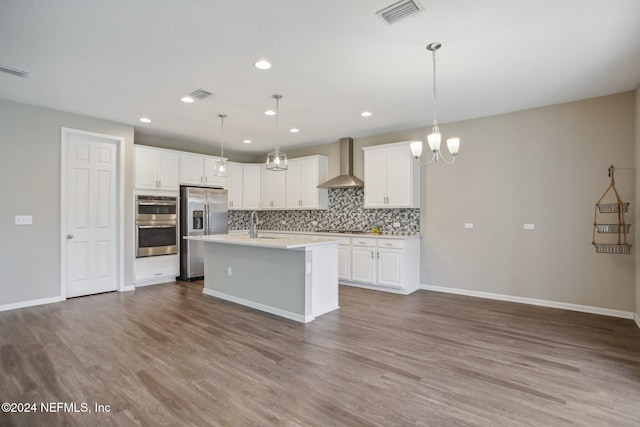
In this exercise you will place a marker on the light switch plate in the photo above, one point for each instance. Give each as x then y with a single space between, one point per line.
529 227
24 220
468 225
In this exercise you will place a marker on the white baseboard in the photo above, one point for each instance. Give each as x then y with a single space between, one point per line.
376 287
533 301
636 317
273 310
155 281
30 303
128 288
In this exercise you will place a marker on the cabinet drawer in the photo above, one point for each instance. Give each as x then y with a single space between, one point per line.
360 241
391 243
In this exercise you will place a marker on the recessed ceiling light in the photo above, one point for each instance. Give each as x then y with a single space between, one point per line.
262 64
366 114
186 99
294 130
145 120
247 141
270 113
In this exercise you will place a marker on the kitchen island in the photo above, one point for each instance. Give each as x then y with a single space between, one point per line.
293 277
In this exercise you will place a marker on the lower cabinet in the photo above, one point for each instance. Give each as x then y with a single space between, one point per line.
155 269
344 262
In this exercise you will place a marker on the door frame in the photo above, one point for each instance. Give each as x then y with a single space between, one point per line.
120 146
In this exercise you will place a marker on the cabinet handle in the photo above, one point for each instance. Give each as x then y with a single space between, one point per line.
389 244
371 254
362 243
378 255
206 179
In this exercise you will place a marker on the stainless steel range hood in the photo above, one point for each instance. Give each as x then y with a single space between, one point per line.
346 179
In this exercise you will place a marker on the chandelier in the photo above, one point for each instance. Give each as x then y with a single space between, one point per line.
434 138
221 165
277 161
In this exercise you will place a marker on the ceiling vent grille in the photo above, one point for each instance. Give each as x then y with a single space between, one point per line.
200 94
15 71
400 10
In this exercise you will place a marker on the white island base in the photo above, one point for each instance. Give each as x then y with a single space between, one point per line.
296 278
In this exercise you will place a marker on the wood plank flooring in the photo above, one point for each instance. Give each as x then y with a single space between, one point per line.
167 355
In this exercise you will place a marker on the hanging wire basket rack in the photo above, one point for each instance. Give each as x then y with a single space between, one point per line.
621 228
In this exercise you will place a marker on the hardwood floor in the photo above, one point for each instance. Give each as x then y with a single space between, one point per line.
169 355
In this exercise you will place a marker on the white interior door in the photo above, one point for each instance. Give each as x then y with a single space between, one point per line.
90 213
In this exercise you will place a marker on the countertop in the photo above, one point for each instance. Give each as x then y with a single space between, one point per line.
284 242
336 235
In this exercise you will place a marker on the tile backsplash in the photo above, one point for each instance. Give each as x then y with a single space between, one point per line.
346 212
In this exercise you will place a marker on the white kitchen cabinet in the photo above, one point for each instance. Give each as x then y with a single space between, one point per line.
156 169
363 260
303 176
234 185
391 177
344 262
390 267
196 169
273 189
251 186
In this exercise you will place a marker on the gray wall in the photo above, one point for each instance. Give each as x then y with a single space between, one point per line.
546 166
30 185
637 222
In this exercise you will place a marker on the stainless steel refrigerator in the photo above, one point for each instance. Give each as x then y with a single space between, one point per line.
202 211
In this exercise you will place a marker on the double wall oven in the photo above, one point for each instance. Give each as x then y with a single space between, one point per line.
156 225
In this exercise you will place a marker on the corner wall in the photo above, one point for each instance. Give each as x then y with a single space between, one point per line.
637 223
30 185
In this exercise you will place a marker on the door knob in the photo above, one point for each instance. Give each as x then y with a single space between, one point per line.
69 236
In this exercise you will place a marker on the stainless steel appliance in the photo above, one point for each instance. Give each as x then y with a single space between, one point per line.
156 225
202 211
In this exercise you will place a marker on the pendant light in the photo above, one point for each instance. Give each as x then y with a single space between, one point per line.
221 165
453 144
277 161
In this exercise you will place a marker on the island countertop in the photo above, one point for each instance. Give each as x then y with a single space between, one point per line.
293 242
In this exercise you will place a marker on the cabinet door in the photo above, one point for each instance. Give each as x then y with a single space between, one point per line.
234 185
294 184
363 264
191 169
168 171
273 189
210 178
145 172
309 180
375 178
399 174
344 262
251 186
390 267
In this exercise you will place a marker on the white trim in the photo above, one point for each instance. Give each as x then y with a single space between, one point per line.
401 291
120 144
30 303
532 301
636 317
128 288
278 312
326 311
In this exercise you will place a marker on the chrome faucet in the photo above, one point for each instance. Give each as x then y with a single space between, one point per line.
253 227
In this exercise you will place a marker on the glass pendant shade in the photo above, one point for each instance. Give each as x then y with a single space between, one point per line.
277 161
453 144
220 168
416 149
434 141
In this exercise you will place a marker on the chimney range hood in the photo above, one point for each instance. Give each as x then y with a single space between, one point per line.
346 179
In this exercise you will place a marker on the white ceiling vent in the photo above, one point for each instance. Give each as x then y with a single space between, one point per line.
400 10
15 71
200 94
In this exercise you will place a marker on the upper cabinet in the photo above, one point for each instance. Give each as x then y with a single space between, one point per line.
273 189
244 186
303 176
196 169
235 182
156 169
391 177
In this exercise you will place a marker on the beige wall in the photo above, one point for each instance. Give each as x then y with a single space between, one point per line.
30 185
546 166
637 222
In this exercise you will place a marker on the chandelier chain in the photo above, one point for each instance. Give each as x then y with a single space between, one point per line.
222 116
277 122
435 103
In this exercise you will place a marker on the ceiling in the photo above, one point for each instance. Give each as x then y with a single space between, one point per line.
332 59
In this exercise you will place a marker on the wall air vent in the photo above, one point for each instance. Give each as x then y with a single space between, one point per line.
200 94
15 71
400 10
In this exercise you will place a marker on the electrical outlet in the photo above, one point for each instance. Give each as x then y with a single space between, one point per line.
529 227
229 271
24 220
396 224
314 222
468 225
